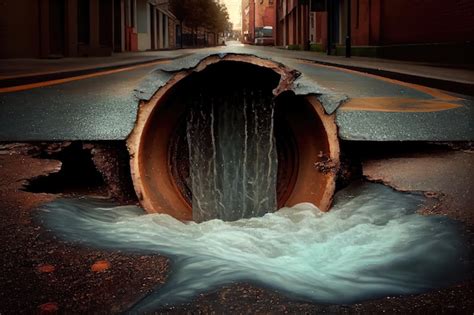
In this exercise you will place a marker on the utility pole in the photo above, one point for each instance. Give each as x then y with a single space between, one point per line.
329 28
308 38
254 21
349 29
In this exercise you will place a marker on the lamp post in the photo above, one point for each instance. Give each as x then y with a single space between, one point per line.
349 29
329 28
254 6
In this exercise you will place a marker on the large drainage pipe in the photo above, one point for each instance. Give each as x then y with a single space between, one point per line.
306 137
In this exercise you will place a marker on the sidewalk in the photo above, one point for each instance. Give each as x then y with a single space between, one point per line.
24 71
434 75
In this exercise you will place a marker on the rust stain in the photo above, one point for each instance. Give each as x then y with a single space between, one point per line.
31 86
46 268
48 308
100 266
396 104
435 93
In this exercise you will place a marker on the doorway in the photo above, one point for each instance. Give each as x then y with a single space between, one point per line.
57 11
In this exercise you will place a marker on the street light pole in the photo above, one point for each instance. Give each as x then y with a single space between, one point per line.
307 42
254 20
349 29
328 22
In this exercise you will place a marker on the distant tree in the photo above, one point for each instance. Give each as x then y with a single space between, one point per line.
218 20
200 13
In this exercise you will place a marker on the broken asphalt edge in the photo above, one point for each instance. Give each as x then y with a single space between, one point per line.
290 79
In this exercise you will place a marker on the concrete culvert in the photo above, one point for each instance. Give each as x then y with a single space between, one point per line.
171 142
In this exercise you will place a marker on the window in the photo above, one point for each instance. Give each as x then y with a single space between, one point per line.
83 22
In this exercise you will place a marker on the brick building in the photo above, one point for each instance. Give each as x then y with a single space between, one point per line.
256 15
70 28
292 29
248 21
429 30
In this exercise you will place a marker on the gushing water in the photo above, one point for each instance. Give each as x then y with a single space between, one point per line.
371 244
232 156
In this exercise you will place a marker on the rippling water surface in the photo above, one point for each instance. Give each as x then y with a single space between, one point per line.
371 244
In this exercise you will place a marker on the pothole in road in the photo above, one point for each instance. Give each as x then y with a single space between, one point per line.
78 174
100 168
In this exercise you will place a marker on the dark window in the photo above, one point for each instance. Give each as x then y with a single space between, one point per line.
132 13
83 21
56 27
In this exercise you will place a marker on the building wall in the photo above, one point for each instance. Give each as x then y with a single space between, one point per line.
396 29
248 20
426 21
386 22
81 27
265 13
360 22
245 19
143 25
28 29
19 29
321 29
293 23
172 33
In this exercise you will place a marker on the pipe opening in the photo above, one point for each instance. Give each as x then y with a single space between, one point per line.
288 130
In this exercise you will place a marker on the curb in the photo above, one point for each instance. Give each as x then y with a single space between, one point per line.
447 85
35 78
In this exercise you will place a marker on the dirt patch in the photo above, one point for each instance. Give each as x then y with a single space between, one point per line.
248 299
446 176
113 163
27 247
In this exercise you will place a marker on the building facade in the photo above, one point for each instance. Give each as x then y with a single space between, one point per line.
156 25
293 29
430 30
257 15
76 28
248 21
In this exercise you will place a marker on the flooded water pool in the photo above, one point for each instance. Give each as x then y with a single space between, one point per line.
371 244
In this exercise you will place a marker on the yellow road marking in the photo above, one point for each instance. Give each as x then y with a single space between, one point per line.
76 78
438 94
396 104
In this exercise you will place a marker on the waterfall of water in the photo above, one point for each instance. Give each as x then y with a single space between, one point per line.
232 155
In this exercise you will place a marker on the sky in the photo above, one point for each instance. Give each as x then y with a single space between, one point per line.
233 6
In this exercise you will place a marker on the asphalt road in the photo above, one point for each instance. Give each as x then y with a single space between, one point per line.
103 106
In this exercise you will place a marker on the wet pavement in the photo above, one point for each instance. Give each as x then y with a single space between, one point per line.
104 106
24 70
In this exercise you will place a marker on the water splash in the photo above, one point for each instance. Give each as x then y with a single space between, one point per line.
371 244
232 155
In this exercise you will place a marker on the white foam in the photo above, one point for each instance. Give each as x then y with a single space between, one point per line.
371 244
